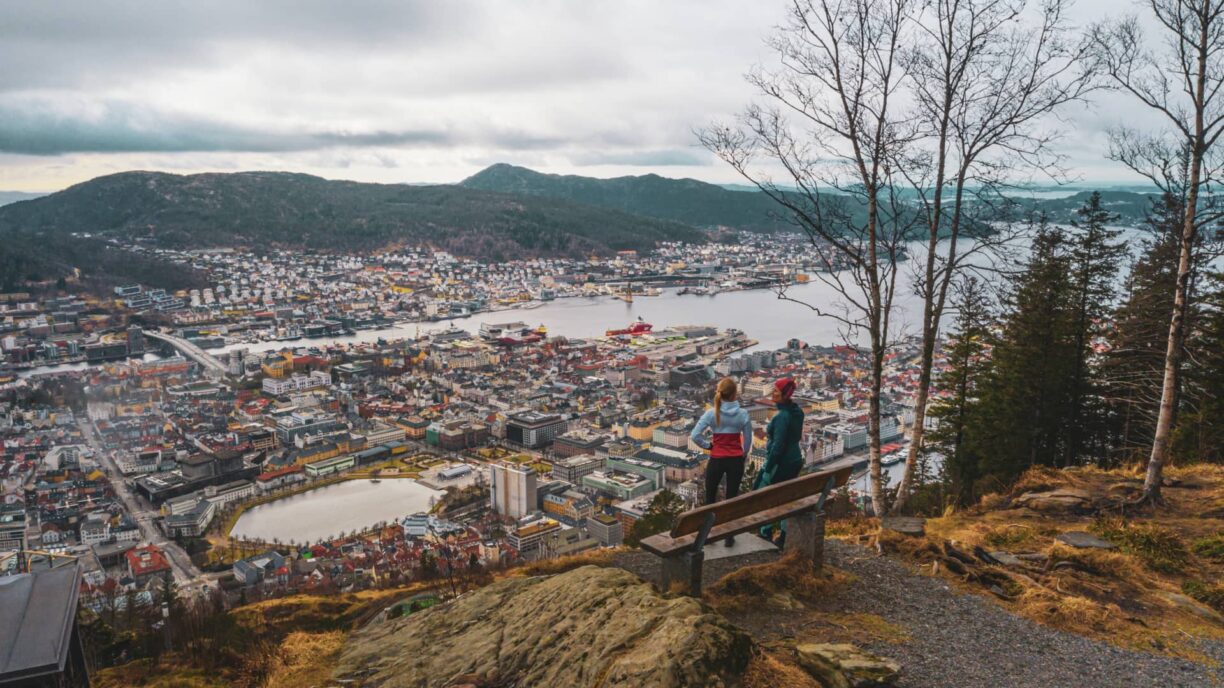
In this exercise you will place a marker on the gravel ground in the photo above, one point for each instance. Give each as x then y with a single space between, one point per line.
960 640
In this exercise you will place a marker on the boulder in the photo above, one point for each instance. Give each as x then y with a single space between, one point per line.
1066 500
906 525
838 665
1084 540
1191 605
1007 559
586 627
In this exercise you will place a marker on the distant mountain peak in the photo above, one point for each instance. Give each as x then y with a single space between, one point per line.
691 201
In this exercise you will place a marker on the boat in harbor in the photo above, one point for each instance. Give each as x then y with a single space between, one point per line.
892 459
638 328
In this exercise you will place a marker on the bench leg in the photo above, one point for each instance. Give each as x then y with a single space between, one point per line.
683 569
805 533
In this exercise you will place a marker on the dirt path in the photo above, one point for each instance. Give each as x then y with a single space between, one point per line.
948 639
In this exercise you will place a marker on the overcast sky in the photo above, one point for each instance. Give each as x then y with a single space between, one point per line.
391 91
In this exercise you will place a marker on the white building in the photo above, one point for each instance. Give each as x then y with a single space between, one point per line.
296 383
513 491
94 532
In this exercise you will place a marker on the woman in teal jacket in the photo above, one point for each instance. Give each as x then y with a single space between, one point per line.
783 456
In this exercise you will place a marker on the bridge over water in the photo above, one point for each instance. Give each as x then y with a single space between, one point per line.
195 353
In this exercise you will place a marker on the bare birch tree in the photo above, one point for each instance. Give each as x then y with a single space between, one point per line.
1179 77
832 131
985 82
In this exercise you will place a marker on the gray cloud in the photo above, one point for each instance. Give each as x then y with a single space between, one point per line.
672 157
388 90
41 129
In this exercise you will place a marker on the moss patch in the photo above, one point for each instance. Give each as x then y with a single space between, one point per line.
1160 548
1210 547
1210 594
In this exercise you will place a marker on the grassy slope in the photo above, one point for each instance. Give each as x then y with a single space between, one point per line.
1122 597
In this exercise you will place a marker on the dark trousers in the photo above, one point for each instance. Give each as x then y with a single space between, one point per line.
732 467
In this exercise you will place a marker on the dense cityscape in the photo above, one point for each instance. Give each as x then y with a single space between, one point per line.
146 463
795 344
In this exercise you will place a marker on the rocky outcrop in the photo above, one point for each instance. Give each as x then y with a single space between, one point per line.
906 525
586 627
837 665
1062 501
1080 539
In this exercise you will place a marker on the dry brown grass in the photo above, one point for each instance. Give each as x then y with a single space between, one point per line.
856 628
305 659
1118 596
791 575
549 567
168 673
1089 478
851 528
766 670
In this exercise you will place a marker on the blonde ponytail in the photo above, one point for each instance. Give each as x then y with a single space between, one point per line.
725 391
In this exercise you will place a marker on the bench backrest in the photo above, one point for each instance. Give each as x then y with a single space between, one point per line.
760 500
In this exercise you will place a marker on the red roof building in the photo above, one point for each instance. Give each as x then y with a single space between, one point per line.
146 563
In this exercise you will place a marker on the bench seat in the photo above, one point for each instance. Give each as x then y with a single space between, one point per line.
665 545
798 501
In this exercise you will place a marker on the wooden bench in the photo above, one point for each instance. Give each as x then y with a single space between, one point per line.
800 501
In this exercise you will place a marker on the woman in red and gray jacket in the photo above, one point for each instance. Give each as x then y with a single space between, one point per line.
729 443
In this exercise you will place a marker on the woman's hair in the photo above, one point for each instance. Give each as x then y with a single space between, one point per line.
725 391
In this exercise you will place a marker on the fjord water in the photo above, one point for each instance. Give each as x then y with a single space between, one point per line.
758 312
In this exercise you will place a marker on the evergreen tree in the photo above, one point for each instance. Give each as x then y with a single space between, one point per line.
1200 433
1135 364
658 517
1024 401
1095 255
966 360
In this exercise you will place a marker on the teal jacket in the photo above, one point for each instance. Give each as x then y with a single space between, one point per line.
783 457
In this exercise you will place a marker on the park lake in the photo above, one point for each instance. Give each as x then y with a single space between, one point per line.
339 508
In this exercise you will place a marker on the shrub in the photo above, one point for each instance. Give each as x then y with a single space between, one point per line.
1161 549
1006 537
1211 595
1211 547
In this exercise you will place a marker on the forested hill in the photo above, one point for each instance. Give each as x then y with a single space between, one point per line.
683 200
704 205
1129 207
277 208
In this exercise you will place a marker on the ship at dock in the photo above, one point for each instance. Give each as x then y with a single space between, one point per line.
638 328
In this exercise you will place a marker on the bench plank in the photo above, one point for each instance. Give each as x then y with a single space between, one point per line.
664 545
759 500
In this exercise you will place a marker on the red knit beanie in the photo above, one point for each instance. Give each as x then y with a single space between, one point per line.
785 387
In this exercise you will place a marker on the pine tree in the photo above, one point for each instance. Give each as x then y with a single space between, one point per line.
1135 364
658 517
1095 256
1200 432
1024 404
953 409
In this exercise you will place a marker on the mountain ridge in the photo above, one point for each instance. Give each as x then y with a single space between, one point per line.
289 209
683 200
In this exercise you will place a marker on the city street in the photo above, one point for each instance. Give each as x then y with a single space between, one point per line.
144 514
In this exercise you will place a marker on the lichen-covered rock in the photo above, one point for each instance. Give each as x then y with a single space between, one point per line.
1081 539
586 627
906 525
838 665
1063 501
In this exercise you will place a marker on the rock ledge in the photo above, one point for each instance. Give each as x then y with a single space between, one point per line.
586 627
